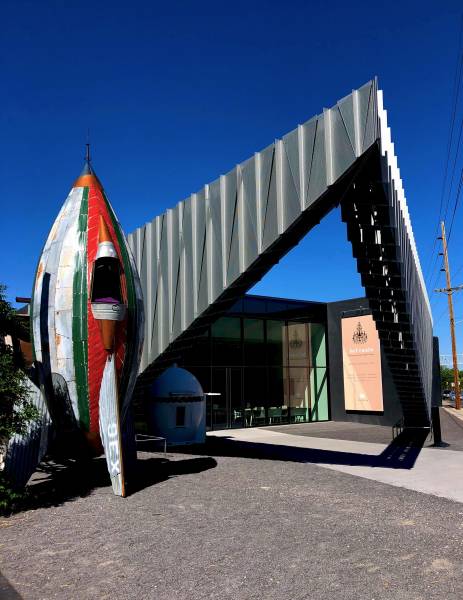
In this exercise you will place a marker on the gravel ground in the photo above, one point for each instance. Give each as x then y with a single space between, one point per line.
231 527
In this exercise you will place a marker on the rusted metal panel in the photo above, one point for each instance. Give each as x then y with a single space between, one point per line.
26 451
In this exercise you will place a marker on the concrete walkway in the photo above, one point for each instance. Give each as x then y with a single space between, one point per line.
431 470
457 414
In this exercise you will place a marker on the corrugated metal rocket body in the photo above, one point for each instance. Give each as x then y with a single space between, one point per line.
87 322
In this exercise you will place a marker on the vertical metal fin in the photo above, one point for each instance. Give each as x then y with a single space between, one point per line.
240 225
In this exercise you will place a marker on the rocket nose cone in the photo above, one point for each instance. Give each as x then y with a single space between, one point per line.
87 170
87 177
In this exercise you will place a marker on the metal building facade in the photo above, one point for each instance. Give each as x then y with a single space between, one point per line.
197 258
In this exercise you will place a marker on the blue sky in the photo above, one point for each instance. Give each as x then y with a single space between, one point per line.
176 94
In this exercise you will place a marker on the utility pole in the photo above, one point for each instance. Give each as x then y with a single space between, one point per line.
449 291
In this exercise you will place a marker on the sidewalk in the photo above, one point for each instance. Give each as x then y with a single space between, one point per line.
435 471
457 414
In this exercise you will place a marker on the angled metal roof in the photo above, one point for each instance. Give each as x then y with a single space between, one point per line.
197 258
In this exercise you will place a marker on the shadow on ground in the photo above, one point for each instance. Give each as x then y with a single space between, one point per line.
401 453
7 591
56 483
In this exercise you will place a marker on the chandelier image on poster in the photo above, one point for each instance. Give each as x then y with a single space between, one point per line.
363 390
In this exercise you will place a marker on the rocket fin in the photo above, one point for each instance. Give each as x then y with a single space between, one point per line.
110 430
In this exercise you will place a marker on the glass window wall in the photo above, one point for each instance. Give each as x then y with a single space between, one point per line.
254 342
276 333
277 396
255 395
267 371
226 342
299 394
298 345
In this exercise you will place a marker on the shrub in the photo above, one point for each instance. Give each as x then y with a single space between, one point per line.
16 409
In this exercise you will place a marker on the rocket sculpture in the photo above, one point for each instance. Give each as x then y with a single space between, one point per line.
87 327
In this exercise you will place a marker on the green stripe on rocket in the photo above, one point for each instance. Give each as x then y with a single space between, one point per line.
79 312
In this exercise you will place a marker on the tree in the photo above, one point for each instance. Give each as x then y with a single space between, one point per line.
16 409
446 374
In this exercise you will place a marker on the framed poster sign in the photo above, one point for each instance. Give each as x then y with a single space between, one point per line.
361 353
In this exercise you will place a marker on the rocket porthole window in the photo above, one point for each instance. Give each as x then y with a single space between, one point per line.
106 281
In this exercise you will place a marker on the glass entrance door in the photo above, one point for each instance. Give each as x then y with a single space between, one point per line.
226 410
235 396
218 404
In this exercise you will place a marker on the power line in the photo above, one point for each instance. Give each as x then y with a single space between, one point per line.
436 258
436 280
460 268
456 93
457 200
443 313
459 136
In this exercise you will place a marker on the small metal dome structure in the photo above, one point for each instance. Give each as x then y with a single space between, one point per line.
176 407
175 381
